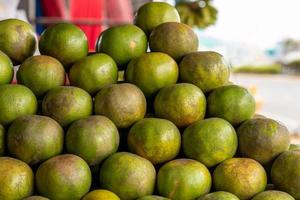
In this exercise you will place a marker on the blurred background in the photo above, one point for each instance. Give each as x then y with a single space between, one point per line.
260 39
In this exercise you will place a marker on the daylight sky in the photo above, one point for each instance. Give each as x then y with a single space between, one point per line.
258 22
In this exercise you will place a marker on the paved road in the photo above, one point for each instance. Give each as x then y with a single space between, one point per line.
280 95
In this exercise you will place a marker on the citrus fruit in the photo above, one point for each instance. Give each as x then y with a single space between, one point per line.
152 14
220 195
16 179
243 177
153 197
100 195
18 40
94 72
285 173
182 104
93 138
34 138
122 43
157 140
128 175
151 72
6 69
206 69
36 198
173 38
273 195
263 139
183 179
123 103
66 104
63 177
2 140
16 101
210 141
40 74
65 42
232 103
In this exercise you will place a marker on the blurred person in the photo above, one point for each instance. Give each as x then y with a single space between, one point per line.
98 14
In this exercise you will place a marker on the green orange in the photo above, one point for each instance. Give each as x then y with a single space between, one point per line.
93 138
65 42
16 101
66 104
34 138
182 104
183 179
40 74
232 103
220 195
123 103
16 179
273 195
263 139
6 69
152 14
243 177
122 43
157 140
17 40
206 69
64 177
285 173
152 71
128 175
94 72
173 38
210 141
100 195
